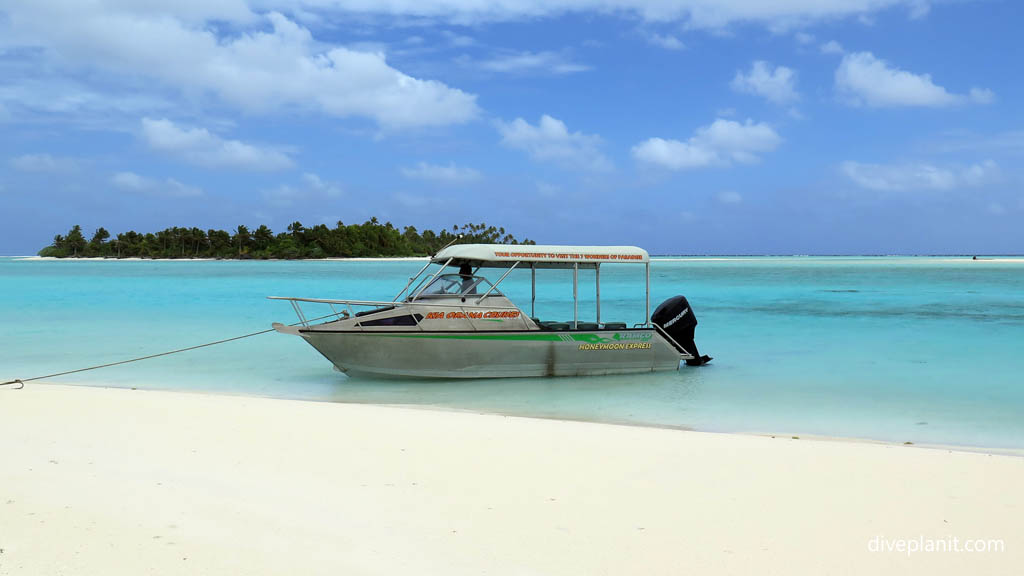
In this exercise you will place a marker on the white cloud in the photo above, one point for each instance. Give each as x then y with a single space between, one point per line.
919 9
920 176
804 37
450 174
132 182
866 80
780 14
34 89
318 184
980 174
981 96
832 47
667 41
673 154
531 62
270 64
550 140
129 181
999 143
310 188
729 197
778 85
201 147
43 163
720 143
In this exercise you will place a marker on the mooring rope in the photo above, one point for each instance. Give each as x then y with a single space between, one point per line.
20 382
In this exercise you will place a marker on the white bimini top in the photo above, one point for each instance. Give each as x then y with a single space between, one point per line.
539 256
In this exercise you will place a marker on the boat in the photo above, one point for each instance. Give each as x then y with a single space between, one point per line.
455 323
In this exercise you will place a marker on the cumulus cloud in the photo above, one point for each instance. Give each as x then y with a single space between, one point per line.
720 143
919 176
531 62
449 174
132 182
832 47
43 163
201 147
869 81
666 41
270 64
778 85
550 140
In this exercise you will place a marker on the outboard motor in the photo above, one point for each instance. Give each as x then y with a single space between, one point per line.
676 318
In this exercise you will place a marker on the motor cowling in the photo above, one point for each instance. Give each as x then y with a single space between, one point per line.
676 318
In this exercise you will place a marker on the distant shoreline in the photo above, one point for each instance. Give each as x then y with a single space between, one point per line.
137 259
656 257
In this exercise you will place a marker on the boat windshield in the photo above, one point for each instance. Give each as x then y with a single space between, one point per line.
456 285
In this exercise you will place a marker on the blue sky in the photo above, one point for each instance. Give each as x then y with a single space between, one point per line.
686 127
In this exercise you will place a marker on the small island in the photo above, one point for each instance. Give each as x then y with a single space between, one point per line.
370 239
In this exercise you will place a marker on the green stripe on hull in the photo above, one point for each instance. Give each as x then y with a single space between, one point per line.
446 336
543 337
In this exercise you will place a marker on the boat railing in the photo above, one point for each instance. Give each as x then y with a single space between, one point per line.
349 312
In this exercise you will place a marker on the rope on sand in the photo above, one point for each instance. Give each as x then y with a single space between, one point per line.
20 382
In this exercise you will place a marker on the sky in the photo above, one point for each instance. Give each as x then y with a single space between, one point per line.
682 126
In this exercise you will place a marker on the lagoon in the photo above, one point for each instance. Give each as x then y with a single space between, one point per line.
897 349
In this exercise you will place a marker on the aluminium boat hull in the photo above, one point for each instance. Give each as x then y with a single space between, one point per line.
495 354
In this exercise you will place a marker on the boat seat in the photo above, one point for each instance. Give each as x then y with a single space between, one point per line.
614 325
586 325
558 326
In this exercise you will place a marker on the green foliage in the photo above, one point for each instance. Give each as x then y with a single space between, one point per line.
370 239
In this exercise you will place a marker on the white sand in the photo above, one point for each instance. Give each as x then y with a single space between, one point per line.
107 482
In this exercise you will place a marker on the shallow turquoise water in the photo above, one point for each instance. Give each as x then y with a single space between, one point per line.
901 349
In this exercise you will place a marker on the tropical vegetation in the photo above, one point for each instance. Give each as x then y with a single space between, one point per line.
369 239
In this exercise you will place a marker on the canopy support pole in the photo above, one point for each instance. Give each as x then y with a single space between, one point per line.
575 274
597 282
647 310
533 291
427 283
495 285
411 280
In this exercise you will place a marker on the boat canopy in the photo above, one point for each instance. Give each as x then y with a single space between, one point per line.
538 256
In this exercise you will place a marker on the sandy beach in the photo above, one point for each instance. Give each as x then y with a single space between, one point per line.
116 481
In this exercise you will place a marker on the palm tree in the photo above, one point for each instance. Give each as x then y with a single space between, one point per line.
263 236
75 240
241 239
